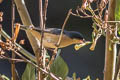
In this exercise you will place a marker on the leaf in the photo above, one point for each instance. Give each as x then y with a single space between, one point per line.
117 14
29 73
59 67
117 10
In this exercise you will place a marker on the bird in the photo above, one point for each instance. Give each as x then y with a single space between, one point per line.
51 37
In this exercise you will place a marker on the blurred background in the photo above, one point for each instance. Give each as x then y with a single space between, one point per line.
83 62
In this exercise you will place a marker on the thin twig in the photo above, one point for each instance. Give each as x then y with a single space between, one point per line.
13 55
45 12
41 52
63 26
39 68
51 61
44 25
78 15
60 37
11 59
29 61
59 40
41 13
111 21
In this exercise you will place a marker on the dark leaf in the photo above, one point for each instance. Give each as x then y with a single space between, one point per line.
29 73
59 67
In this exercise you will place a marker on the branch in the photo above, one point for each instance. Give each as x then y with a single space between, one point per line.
110 55
11 47
13 55
11 59
24 15
117 66
60 38
22 50
68 15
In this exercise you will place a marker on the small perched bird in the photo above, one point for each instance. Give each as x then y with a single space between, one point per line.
51 37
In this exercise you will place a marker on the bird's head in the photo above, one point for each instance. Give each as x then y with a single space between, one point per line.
76 37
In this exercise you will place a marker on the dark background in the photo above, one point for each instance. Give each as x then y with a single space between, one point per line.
84 62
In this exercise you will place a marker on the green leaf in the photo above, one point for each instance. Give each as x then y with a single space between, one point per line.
117 14
117 10
59 67
119 32
29 73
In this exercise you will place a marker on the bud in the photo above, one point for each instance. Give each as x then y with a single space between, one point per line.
84 4
17 28
1 16
22 42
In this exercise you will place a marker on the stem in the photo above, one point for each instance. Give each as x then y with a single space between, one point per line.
45 12
43 70
22 50
63 26
60 37
117 66
39 55
110 55
41 13
28 54
11 59
13 55
24 15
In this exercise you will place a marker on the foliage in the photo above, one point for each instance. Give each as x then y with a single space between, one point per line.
59 67
117 10
117 14
29 73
